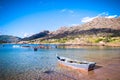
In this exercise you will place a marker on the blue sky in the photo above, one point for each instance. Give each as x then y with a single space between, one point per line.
25 17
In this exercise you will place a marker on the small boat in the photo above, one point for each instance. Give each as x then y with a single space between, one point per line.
26 46
16 46
81 65
35 48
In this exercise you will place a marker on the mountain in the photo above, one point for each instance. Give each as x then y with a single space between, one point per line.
35 36
102 22
99 29
9 39
99 26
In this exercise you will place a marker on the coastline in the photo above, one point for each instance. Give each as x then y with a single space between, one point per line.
87 45
72 45
77 45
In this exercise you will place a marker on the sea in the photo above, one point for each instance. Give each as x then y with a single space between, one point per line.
23 63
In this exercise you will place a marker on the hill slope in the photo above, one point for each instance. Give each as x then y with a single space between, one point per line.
9 39
35 36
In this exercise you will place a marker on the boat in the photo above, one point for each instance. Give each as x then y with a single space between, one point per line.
26 46
75 64
35 48
16 46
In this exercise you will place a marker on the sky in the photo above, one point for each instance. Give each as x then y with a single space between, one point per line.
23 18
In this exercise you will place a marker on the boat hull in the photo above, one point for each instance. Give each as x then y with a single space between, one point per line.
84 66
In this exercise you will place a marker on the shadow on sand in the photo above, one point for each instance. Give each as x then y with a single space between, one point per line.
97 67
48 72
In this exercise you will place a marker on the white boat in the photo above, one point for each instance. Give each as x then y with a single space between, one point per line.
75 64
16 46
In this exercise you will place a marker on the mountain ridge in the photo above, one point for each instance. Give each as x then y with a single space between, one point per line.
35 36
110 25
9 39
99 26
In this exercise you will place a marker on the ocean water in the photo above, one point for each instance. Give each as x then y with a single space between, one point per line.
18 63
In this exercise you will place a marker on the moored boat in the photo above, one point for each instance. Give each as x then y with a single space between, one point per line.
26 46
16 46
82 65
35 48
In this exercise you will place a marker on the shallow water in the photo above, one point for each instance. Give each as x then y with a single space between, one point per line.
26 64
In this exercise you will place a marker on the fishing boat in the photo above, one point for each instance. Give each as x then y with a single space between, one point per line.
75 64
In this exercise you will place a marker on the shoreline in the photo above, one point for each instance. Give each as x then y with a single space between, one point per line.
77 45
73 45
88 45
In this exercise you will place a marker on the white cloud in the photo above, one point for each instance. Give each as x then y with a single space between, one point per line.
87 19
67 10
112 16
63 10
25 34
104 14
71 11
75 24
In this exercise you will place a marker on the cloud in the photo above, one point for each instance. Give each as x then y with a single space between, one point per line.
63 10
75 24
67 10
25 34
71 11
112 16
87 19
104 14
